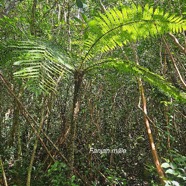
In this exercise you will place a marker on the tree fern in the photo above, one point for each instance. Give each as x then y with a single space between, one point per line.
117 27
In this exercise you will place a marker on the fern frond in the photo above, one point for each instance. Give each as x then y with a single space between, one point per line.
118 27
148 76
41 63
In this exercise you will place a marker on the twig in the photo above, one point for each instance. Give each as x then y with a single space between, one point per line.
3 172
177 43
174 63
102 6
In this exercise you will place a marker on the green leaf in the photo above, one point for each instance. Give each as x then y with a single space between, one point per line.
171 171
148 76
165 165
117 27
40 62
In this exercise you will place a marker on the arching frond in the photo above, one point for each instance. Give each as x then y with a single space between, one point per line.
40 62
117 27
150 77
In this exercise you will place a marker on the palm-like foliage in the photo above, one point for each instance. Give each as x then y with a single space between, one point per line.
42 63
116 27
150 77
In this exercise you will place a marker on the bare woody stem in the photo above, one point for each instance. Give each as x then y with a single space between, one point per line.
3 172
174 63
78 77
150 136
147 124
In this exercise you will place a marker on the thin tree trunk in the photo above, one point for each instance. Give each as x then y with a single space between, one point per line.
182 80
1 116
78 76
150 136
19 148
35 147
166 112
147 125
3 172
14 124
33 19
68 27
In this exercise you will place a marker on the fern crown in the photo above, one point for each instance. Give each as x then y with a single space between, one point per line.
118 27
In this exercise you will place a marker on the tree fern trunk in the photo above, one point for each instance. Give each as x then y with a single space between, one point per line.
78 76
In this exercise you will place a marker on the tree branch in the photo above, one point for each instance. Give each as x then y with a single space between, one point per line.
177 43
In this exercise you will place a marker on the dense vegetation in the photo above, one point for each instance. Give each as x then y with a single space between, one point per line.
92 92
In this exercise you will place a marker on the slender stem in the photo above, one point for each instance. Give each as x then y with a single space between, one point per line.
78 77
174 63
178 43
3 172
33 18
150 136
35 146
68 27
102 6
147 124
